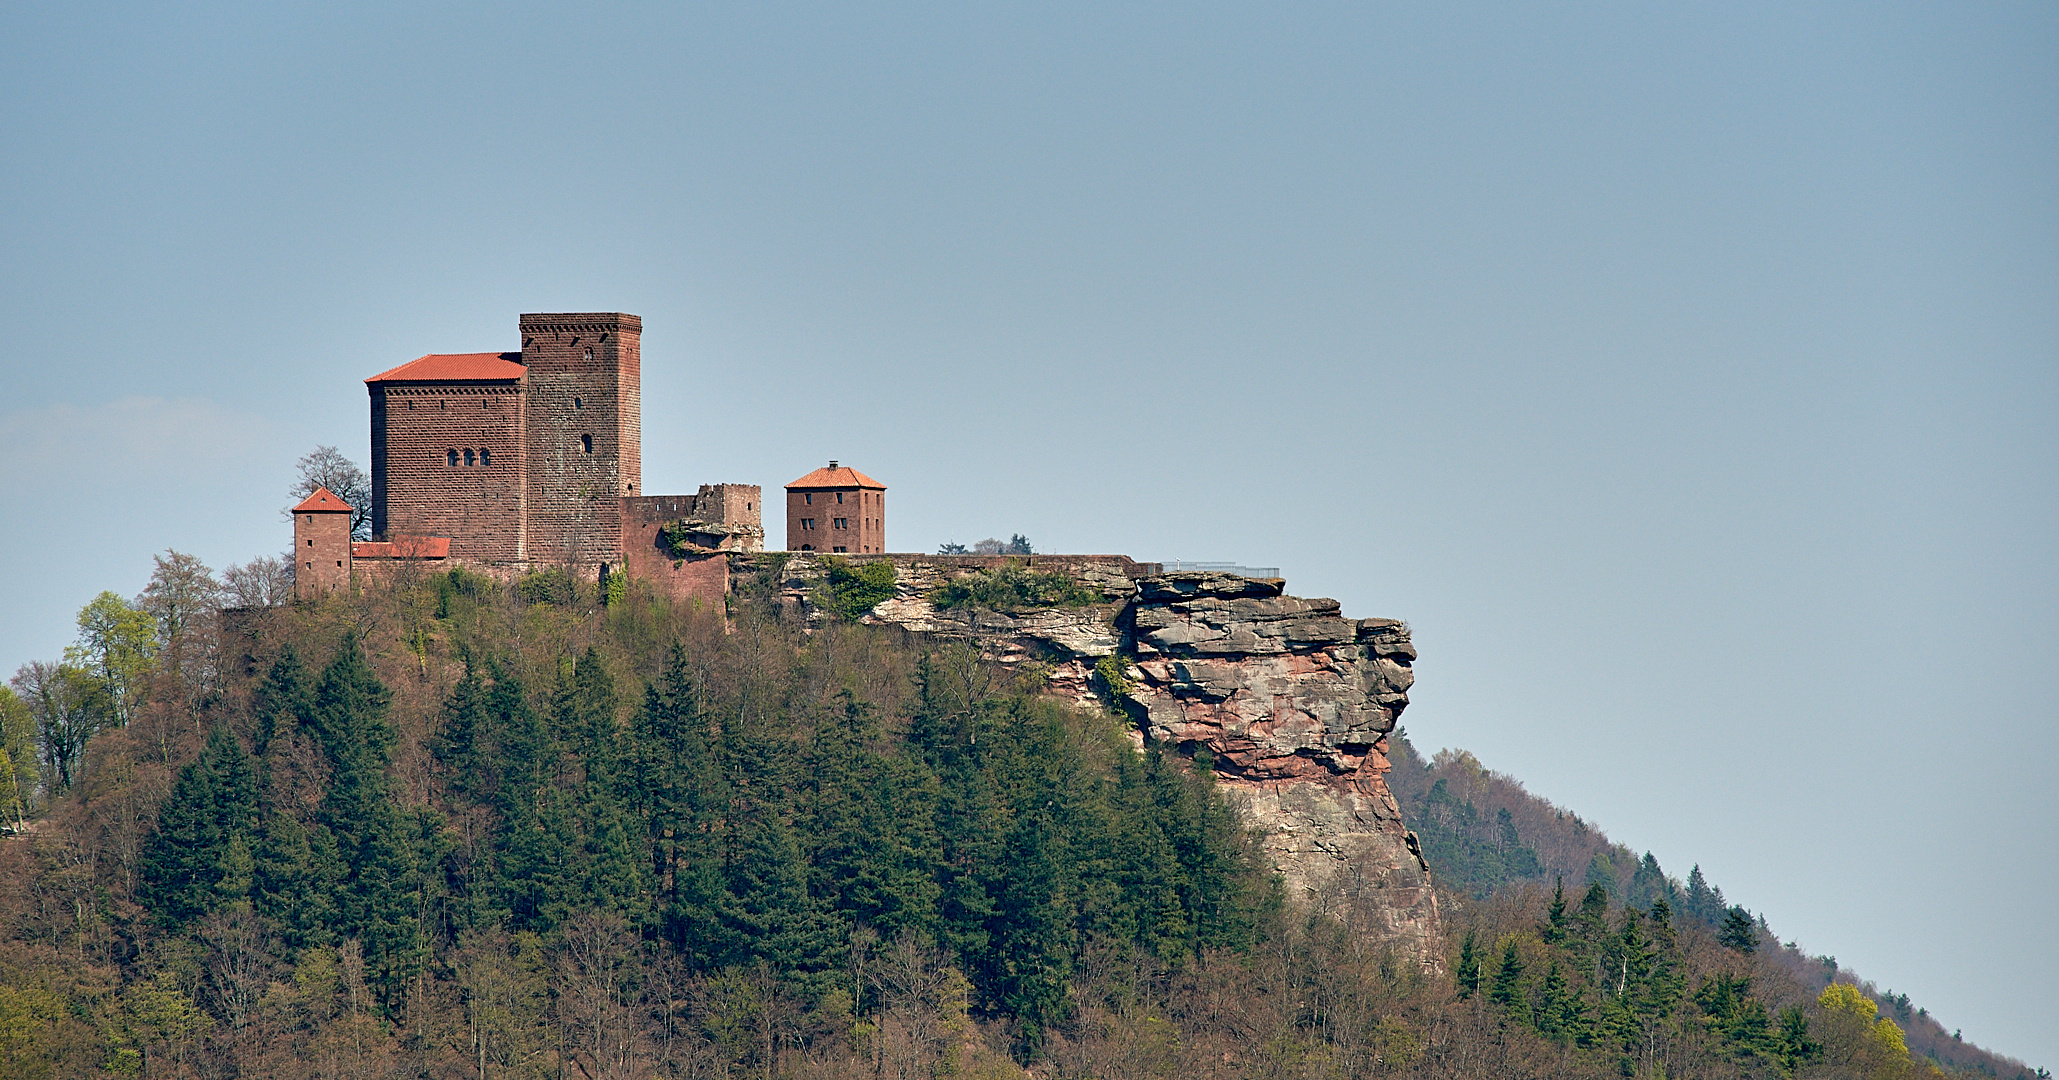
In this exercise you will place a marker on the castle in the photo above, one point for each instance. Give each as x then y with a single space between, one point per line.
511 462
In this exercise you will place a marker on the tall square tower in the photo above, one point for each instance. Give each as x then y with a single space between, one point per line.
583 429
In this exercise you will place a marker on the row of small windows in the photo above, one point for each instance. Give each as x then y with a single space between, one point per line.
808 524
808 497
484 457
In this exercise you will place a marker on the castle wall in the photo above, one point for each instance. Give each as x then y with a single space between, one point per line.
584 424
415 489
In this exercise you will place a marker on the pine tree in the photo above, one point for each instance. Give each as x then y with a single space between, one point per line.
200 855
1704 902
1508 981
1555 921
1740 932
1556 1008
1467 973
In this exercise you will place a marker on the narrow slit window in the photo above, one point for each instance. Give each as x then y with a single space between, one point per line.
471 458
586 443
485 457
451 459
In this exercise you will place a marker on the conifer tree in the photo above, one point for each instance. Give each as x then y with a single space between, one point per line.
1467 972
200 855
681 799
1555 920
1508 980
1739 932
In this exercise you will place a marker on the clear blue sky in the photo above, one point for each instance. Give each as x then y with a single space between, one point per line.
1686 375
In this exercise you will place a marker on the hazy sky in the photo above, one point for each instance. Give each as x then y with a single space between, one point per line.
1688 377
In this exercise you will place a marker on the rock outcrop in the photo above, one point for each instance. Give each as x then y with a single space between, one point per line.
1290 700
1293 702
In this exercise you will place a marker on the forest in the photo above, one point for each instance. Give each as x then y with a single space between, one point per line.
457 827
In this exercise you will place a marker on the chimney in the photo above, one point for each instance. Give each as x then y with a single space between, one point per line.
832 463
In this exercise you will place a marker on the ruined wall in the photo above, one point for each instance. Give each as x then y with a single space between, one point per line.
1292 700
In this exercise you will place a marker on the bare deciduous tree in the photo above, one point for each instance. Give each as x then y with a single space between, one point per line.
326 467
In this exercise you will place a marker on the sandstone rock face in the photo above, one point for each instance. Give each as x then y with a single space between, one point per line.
1291 700
1294 702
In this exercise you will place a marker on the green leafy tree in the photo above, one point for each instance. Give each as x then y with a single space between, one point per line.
118 643
68 704
18 748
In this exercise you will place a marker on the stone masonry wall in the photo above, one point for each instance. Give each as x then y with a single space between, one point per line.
416 491
321 553
584 382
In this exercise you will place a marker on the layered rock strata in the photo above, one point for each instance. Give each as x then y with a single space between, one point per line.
1290 700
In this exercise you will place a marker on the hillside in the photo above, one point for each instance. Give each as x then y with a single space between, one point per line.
458 828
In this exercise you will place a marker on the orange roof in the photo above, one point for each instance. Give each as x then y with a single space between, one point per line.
403 547
322 502
836 477
456 367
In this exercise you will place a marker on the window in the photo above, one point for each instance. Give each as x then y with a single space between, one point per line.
839 549
841 523
589 354
451 459
576 404
484 459
809 499
586 443
471 458
310 540
806 524
807 547
839 496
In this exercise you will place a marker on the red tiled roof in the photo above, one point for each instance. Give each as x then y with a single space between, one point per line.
835 478
322 502
403 547
456 367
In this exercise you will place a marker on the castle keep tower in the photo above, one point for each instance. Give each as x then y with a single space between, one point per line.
583 409
522 460
836 509
448 452
321 545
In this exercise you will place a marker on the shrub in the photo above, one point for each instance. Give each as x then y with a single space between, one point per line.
1011 588
553 586
854 591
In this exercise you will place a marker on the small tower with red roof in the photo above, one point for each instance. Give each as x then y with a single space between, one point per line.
836 509
321 545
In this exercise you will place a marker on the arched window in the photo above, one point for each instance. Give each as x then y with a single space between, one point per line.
485 457
452 459
586 443
470 458
589 354
576 404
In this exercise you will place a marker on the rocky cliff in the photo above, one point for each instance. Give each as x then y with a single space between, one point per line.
1290 700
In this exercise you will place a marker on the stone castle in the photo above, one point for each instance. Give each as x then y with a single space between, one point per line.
509 462
513 462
